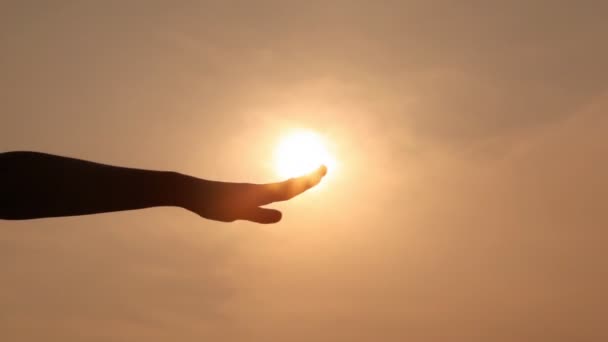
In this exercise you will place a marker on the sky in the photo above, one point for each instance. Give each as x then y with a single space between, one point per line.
470 202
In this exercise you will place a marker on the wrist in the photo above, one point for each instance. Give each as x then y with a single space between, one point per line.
180 190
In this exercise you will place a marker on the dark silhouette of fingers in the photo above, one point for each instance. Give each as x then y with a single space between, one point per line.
294 186
263 215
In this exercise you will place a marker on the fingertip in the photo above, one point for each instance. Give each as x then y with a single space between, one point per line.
323 170
266 216
275 216
292 187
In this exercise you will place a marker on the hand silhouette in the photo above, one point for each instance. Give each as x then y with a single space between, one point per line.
228 202
37 185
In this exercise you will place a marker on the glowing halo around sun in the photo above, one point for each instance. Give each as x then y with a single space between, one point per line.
300 152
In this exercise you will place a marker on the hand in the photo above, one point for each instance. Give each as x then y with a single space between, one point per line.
228 202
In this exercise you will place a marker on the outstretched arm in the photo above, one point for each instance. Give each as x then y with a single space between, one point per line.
37 185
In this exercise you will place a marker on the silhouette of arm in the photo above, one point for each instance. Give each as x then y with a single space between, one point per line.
38 185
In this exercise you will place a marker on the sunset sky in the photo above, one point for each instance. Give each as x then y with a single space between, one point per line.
469 201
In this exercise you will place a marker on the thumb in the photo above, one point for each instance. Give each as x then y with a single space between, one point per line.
263 215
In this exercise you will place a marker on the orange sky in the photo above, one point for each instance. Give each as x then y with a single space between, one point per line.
470 203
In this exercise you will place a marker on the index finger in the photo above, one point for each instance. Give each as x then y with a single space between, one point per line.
292 187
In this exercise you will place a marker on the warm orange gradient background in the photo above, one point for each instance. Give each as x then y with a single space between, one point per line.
471 202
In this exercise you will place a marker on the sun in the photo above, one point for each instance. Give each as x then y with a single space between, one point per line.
300 152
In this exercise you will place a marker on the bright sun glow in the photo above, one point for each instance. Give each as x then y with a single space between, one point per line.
301 152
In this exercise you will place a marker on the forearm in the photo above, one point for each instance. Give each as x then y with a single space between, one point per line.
36 185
